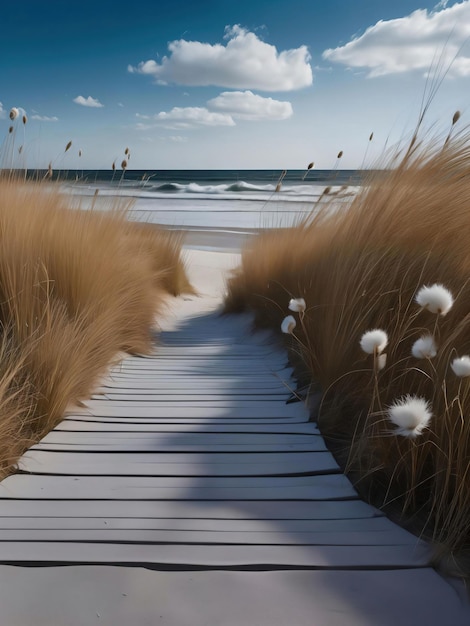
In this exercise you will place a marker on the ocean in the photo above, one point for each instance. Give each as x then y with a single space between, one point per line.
220 200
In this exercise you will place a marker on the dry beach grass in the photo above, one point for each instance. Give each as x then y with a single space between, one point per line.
76 287
361 268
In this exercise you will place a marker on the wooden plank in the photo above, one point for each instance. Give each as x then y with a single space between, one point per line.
329 557
147 445
204 440
221 402
228 368
137 382
164 464
190 410
239 354
329 487
207 420
156 392
251 403
202 397
329 510
212 538
122 596
219 350
256 374
223 370
70 424
203 356
191 383
376 525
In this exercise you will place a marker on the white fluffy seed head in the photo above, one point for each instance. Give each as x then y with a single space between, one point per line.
424 347
288 325
297 305
436 299
411 415
461 366
374 341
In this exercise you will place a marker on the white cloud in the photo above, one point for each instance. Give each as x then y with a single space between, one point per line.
245 62
88 102
3 113
415 42
185 117
45 118
120 104
246 105
178 139
220 111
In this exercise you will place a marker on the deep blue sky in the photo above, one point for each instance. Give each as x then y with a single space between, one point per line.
234 102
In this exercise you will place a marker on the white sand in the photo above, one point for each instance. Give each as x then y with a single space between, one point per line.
208 272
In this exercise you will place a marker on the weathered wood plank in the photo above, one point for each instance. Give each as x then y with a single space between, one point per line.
209 427
205 440
206 420
197 395
147 446
206 383
329 487
190 410
211 538
376 525
329 510
111 596
329 557
150 383
202 398
164 464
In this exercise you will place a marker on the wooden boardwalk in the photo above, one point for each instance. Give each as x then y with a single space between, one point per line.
188 492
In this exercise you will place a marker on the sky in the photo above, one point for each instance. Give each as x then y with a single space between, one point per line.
227 84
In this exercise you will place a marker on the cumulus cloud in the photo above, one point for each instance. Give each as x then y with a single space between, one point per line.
185 117
45 118
246 105
245 62
220 111
88 102
414 42
3 113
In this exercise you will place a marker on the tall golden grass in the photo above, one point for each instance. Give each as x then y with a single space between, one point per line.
358 268
76 288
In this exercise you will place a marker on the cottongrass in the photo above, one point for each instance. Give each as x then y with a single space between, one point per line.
374 341
461 366
365 267
297 305
424 348
436 299
288 325
411 415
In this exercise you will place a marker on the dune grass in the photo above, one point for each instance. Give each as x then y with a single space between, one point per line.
76 288
360 268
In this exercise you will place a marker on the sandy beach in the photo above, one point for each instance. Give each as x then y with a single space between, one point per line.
229 240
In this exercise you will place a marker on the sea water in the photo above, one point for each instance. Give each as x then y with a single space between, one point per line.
224 200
